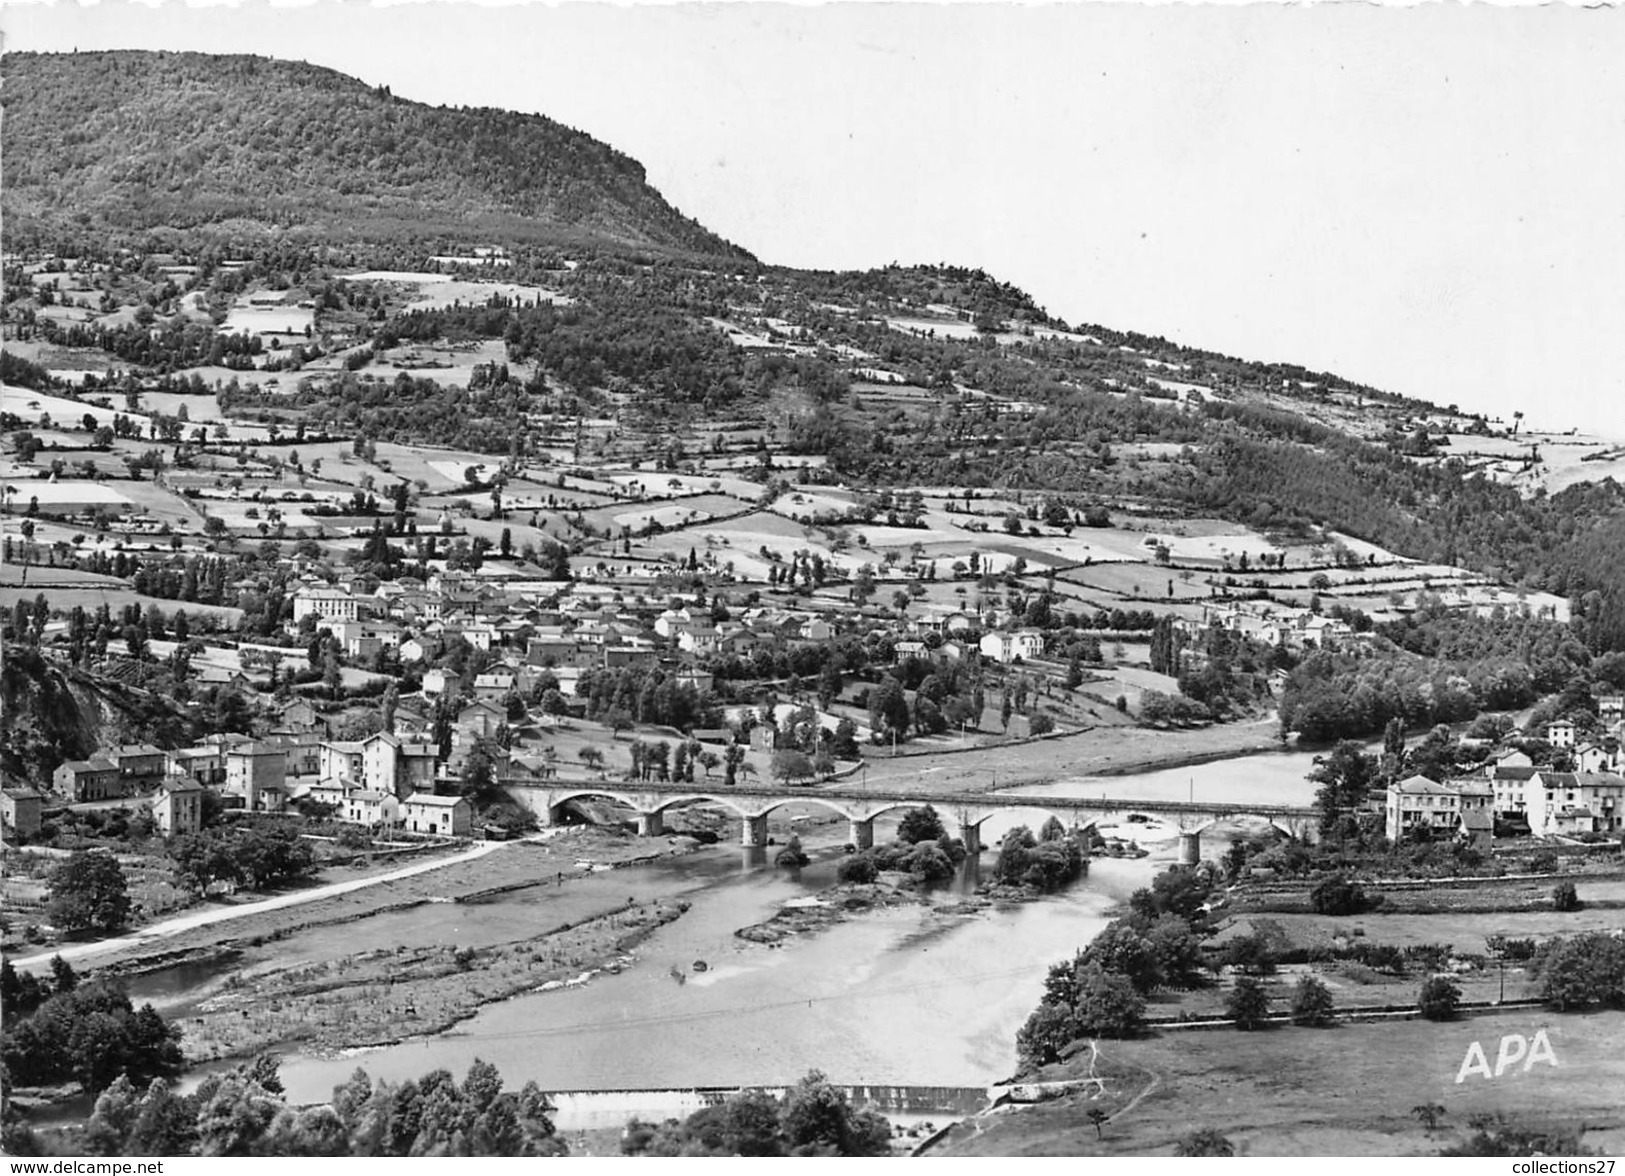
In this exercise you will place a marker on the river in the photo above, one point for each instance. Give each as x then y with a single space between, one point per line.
901 996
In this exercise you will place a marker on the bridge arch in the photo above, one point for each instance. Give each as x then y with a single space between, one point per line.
559 798
826 802
723 800
1277 823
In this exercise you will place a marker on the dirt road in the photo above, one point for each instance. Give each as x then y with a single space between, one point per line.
75 953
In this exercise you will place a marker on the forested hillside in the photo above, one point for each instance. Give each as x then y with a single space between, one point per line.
129 141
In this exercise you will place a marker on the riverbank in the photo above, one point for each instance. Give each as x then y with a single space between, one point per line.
486 869
1348 1091
383 997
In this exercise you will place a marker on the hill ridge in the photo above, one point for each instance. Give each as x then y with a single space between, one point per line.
151 140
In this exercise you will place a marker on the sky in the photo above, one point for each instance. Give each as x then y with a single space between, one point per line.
1428 199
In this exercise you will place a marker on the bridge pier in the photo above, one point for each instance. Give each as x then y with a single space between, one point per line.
971 835
753 832
861 833
651 824
1190 849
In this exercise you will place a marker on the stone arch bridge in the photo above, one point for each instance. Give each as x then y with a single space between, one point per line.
860 807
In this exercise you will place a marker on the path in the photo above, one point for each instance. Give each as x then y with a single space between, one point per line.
205 918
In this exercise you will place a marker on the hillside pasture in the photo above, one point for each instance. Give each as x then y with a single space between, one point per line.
257 315
664 485
444 363
65 492
30 406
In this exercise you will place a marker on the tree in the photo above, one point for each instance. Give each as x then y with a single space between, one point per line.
89 893
1311 1003
1107 1005
1099 1118
1248 1005
1581 970
816 1120
1046 1033
790 765
1338 895
888 706
1438 999
1565 897
1344 776
1428 1114
921 824
1206 1142
1121 949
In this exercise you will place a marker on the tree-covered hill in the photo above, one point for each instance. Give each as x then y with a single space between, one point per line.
125 142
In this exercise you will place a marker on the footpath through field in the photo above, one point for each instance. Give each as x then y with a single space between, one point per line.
204 918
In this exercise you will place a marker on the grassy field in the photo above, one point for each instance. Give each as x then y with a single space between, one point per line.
1342 1091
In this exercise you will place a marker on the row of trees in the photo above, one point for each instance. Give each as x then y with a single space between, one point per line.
244 1112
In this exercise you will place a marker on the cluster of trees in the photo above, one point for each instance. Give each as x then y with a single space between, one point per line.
633 694
88 894
1044 863
255 857
88 1033
922 849
1333 695
244 1112
812 1119
1101 991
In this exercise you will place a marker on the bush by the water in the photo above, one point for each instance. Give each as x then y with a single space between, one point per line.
1045 865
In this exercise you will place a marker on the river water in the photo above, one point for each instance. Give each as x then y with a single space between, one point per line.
906 996
902 996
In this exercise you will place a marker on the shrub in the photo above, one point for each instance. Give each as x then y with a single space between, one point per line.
1565 897
792 856
1543 863
860 868
1206 1142
1339 895
1439 999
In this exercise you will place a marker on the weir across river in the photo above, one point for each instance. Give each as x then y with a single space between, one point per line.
966 811
588 1109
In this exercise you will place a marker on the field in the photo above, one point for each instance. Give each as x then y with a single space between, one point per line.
441 290
1286 1091
257 317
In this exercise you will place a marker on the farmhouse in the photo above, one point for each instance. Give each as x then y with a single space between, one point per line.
97 778
20 811
1440 808
1574 802
449 816
1006 647
178 807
